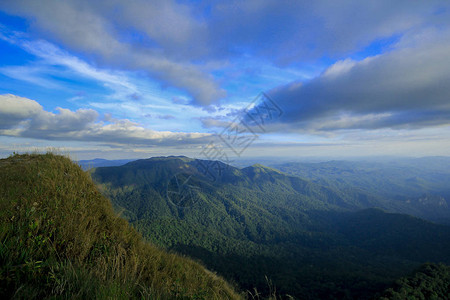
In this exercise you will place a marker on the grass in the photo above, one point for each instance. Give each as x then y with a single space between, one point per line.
60 239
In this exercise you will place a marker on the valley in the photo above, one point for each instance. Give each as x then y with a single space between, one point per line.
311 238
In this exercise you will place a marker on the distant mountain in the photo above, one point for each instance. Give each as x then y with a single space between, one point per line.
99 162
313 240
418 186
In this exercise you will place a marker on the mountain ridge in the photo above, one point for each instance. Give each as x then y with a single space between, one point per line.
60 238
257 216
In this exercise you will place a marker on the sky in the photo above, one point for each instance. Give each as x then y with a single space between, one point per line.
221 79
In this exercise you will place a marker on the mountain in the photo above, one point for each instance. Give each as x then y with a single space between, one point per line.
99 162
60 239
311 241
430 281
413 186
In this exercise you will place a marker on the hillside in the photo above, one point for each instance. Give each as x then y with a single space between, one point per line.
430 281
417 186
59 237
254 222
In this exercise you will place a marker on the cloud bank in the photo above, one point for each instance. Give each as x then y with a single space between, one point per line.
22 117
406 87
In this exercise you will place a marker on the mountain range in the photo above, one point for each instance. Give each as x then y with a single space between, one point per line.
326 235
416 186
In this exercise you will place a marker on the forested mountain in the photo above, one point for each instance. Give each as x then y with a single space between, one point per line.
311 240
416 186
430 281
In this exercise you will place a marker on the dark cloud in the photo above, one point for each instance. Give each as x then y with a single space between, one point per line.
404 88
297 31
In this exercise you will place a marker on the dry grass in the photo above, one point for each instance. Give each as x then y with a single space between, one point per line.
59 238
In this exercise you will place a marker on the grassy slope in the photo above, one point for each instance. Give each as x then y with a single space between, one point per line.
59 237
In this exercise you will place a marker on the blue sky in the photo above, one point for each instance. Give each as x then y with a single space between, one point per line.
132 79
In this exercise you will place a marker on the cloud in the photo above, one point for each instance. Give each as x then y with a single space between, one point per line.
162 117
33 74
46 124
49 55
183 45
217 122
15 109
291 31
110 31
22 117
404 88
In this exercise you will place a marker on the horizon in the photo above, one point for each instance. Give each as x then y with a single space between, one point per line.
248 161
311 158
226 81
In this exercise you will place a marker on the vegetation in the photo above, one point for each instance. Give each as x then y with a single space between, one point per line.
59 237
272 234
429 282
416 187
311 241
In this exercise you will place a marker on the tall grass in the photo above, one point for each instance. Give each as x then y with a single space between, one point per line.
59 238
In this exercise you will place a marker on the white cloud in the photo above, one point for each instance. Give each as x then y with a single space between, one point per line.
89 27
22 117
14 109
33 74
50 56
340 67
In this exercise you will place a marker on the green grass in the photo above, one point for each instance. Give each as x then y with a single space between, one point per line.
60 239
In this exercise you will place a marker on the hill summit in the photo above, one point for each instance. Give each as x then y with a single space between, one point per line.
60 238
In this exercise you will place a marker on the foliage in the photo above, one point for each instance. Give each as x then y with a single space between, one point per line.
429 282
250 223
